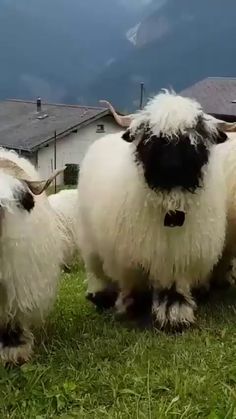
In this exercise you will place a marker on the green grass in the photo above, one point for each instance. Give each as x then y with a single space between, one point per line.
51 189
89 365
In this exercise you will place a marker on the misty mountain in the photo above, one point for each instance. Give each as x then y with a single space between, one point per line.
80 51
178 43
53 48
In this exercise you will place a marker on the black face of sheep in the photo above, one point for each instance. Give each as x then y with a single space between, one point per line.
174 161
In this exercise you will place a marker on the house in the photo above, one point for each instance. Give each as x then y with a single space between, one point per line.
52 135
217 96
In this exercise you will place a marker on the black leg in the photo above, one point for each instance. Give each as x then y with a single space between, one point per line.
11 336
201 294
16 344
141 303
172 310
105 299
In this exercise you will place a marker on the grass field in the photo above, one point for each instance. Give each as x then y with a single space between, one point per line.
51 189
91 366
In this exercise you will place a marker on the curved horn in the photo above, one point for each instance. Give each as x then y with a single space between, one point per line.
123 121
227 126
39 186
36 186
223 125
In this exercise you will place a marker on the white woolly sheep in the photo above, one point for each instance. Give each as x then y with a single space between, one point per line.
153 208
30 255
223 269
64 203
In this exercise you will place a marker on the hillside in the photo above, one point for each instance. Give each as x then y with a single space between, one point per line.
176 45
76 52
53 48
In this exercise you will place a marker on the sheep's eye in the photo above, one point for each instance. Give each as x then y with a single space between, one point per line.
127 136
25 200
221 137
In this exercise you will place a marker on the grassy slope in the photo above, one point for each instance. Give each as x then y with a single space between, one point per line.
51 188
90 366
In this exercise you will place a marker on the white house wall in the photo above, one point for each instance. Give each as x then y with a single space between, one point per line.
72 148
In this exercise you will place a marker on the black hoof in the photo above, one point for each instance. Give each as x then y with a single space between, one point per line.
103 300
172 311
216 285
11 336
141 303
201 295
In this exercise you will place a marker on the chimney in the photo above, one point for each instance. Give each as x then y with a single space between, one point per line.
39 105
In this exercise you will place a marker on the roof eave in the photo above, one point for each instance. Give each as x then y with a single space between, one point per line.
225 117
68 131
16 148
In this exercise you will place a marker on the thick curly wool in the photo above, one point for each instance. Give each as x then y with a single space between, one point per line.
65 204
30 254
29 251
226 153
172 117
120 218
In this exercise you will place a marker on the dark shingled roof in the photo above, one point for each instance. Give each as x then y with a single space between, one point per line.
215 95
21 129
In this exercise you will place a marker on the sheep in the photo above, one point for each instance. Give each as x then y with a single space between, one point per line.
30 255
64 203
223 268
152 209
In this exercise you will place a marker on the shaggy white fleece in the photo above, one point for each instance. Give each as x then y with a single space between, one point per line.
30 257
65 204
226 153
120 220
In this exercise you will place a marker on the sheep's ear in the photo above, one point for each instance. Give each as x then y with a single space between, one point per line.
221 137
142 129
39 186
127 136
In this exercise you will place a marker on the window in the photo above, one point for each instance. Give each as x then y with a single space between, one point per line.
100 128
71 174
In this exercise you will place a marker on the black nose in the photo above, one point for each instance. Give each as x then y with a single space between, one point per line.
25 200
